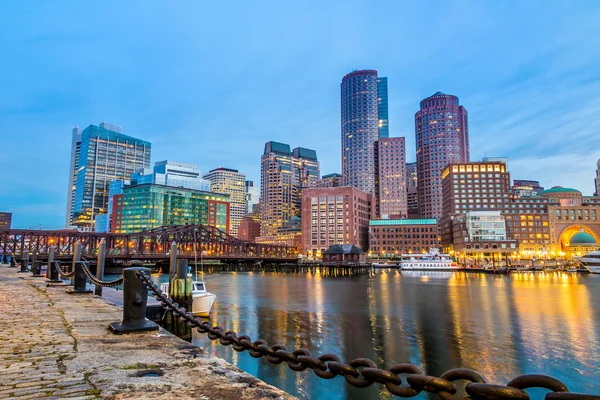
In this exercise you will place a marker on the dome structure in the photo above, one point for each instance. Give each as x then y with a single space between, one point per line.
556 190
582 239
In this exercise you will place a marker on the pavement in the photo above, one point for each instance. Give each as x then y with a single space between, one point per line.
55 345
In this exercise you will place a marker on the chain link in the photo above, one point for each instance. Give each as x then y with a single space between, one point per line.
363 372
98 282
61 272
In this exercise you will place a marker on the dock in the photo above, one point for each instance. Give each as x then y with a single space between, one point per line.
57 345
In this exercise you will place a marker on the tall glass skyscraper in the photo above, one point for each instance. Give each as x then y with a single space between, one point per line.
105 155
362 94
75 150
442 137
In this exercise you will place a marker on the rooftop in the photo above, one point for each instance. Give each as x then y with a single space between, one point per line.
419 221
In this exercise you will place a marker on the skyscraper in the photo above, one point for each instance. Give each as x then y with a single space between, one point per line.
382 108
411 174
597 180
75 149
360 120
442 137
252 196
390 189
233 183
283 175
105 155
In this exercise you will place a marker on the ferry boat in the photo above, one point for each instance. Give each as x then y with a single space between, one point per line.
591 261
202 301
431 261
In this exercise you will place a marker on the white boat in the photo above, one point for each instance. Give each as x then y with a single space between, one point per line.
202 301
431 261
591 261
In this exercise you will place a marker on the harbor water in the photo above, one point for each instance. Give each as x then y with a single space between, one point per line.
501 326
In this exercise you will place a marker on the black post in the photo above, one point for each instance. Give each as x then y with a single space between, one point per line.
37 269
135 298
13 263
79 280
24 261
100 266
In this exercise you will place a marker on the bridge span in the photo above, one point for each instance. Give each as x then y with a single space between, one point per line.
192 241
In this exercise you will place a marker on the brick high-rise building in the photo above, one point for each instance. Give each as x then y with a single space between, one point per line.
390 189
284 173
364 119
336 215
442 138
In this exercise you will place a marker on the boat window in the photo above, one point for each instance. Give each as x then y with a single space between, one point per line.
199 286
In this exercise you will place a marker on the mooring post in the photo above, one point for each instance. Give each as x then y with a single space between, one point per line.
36 267
180 289
13 263
51 272
24 261
135 299
79 280
172 261
100 266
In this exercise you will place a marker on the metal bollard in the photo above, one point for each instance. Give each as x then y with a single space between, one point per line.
51 272
24 261
37 269
135 299
13 263
100 266
79 280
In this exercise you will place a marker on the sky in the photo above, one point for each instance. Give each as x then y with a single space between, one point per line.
210 82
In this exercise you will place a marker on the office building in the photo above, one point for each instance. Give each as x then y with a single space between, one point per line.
360 128
382 108
172 173
73 166
330 180
105 155
442 138
337 215
283 175
147 206
389 238
597 180
231 182
252 196
249 229
411 174
526 188
390 188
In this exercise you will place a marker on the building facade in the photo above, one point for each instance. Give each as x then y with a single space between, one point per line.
526 188
382 108
411 175
105 155
283 175
390 182
359 128
394 237
73 166
442 137
338 215
231 182
249 229
148 206
330 180
252 196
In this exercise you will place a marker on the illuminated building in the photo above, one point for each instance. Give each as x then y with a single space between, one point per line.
442 137
148 206
73 166
330 180
231 182
411 174
394 237
360 120
283 176
525 188
252 195
412 196
338 215
382 108
390 181
105 155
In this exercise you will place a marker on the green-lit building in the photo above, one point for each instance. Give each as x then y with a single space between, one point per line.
148 206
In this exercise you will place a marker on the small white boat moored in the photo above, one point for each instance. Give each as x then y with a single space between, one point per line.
591 261
202 301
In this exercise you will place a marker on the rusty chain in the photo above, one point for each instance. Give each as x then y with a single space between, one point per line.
99 282
403 380
61 272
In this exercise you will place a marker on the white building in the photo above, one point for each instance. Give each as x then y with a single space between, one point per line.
233 183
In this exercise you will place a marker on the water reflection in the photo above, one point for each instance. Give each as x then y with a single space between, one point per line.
501 326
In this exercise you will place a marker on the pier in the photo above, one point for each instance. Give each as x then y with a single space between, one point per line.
57 345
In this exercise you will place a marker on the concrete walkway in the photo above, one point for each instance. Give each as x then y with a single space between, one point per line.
55 345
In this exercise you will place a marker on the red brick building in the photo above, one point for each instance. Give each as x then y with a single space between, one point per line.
249 229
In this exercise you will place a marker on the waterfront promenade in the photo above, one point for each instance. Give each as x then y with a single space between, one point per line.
55 345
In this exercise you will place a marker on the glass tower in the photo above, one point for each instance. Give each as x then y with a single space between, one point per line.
105 155
362 92
73 166
442 138
233 183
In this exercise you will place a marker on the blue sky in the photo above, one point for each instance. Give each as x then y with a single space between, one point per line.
211 83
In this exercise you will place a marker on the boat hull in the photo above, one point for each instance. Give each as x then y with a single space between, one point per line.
201 304
430 268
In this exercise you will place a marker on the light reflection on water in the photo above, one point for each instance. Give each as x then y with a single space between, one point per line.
500 326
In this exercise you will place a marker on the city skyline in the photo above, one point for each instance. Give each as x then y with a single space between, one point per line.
527 87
